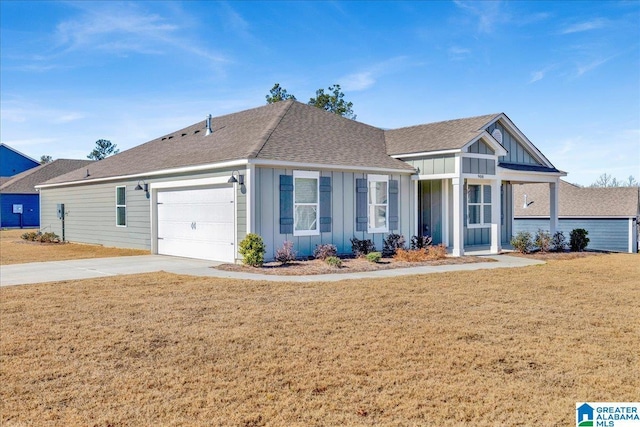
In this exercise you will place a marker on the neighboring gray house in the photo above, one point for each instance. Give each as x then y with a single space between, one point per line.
610 215
304 175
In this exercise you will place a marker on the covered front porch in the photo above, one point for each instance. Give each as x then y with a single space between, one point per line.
473 215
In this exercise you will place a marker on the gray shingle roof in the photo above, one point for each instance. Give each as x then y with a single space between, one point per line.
24 182
284 131
447 135
577 201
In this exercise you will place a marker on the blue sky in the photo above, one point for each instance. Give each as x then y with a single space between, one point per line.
567 73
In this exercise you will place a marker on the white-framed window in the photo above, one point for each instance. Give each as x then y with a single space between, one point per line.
478 205
306 193
121 206
378 203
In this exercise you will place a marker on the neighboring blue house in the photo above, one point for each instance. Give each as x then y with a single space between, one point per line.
12 162
610 215
19 200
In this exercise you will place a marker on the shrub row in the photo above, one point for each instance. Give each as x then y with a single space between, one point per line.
48 237
252 249
524 242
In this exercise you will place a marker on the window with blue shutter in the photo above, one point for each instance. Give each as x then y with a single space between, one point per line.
361 205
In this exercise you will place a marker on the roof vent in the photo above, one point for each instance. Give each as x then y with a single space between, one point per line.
497 135
209 131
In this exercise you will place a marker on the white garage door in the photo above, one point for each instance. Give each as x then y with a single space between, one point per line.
197 223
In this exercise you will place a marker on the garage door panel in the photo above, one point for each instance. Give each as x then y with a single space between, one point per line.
197 223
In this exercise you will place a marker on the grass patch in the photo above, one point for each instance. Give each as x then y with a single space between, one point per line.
14 250
489 347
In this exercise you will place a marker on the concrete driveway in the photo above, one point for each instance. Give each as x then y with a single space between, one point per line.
54 271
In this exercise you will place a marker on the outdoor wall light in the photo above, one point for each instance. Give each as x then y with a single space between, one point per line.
144 187
239 180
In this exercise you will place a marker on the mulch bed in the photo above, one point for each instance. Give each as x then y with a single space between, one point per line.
349 265
553 256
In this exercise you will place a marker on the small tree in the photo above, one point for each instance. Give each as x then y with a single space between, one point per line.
277 94
542 240
252 250
558 242
578 239
104 148
44 159
521 242
333 102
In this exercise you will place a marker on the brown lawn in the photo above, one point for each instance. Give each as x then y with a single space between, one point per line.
14 250
500 347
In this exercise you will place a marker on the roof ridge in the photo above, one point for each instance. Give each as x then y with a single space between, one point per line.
269 131
493 115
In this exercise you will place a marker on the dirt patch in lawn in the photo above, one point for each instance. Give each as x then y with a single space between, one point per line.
14 250
489 347
349 265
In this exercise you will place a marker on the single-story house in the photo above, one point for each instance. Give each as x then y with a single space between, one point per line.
292 172
610 215
13 162
19 200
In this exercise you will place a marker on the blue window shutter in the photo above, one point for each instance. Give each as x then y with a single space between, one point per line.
325 204
361 205
393 204
286 204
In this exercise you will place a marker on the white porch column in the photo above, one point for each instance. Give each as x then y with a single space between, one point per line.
553 207
458 217
496 210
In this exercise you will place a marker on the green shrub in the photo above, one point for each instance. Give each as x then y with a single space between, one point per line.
286 253
30 236
49 237
521 242
325 251
578 239
542 240
374 257
252 250
392 243
334 261
362 247
558 242
420 242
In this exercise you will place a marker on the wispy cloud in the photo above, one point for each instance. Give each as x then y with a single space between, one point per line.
458 53
487 13
122 29
585 68
538 75
67 117
593 24
365 79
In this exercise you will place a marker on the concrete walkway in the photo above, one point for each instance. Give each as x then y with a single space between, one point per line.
54 271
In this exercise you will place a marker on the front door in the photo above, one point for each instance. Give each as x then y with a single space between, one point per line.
430 209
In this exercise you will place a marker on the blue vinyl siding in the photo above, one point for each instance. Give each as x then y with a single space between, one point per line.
30 208
604 234
516 152
12 163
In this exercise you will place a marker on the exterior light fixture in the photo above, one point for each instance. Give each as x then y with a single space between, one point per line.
143 186
239 180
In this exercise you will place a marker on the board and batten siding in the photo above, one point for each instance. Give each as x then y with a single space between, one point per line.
477 166
433 165
607 234
480 147
91 211
516 152
343 212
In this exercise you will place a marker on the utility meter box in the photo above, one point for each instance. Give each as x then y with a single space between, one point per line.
17 209
60 210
